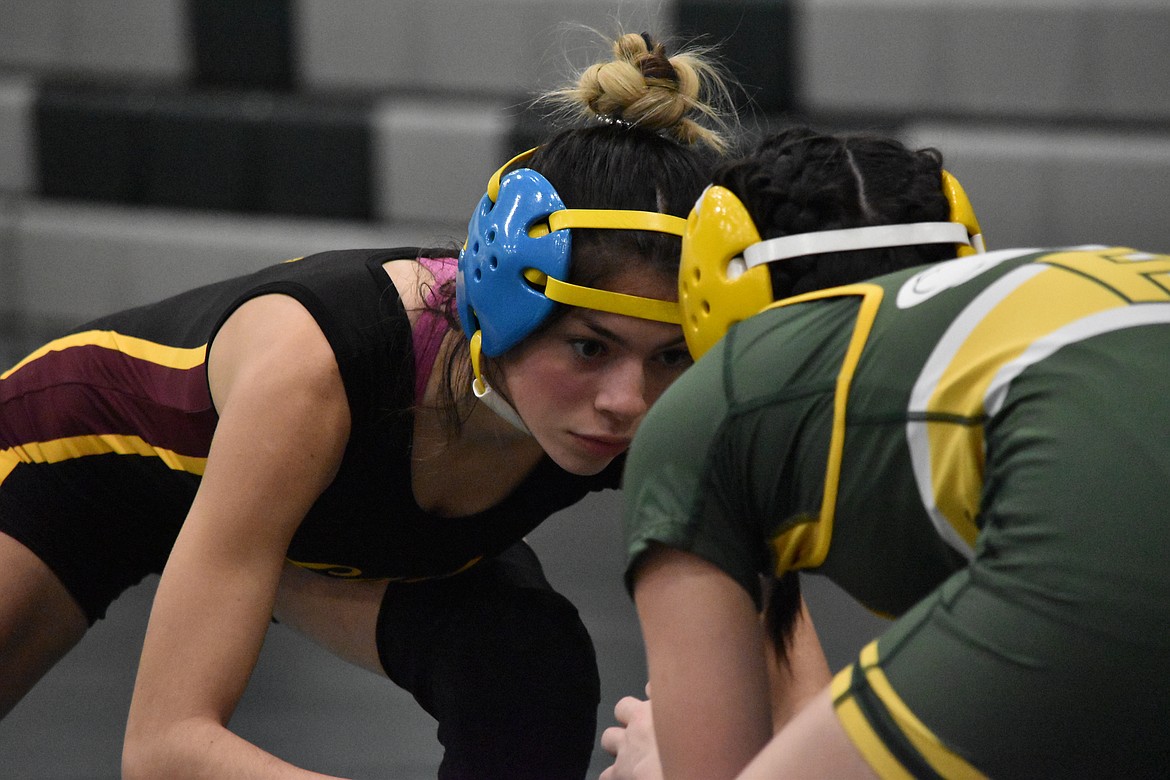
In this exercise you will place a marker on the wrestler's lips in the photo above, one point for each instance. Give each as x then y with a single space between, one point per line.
602 446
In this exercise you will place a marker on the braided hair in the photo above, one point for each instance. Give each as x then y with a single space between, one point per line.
801 181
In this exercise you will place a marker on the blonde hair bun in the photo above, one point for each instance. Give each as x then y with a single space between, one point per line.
643 87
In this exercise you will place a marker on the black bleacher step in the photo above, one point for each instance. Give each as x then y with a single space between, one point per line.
243 43
236 150
755 41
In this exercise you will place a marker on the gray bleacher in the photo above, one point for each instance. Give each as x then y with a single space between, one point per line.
1061 185
127 38
503 47
1055 115
987 59
411 185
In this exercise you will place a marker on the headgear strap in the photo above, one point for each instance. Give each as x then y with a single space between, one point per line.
508 282
848 239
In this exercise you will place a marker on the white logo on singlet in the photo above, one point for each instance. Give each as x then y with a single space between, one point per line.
930 281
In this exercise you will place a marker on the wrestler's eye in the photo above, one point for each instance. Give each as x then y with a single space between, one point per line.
675 358
587 348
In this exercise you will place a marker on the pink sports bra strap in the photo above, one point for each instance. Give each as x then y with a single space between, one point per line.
430 327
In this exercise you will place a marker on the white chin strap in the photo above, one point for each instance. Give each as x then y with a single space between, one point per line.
484 393
849 239
494 401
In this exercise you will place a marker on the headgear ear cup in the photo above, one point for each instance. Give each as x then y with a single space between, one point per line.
716 289
492 293
963 213
723 275
514 267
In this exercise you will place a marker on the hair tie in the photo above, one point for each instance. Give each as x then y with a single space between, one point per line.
610 119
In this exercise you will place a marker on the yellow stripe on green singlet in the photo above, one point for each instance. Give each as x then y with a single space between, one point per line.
857 727
929 748
1038 306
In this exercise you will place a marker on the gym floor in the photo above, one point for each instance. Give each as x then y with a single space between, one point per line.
323 714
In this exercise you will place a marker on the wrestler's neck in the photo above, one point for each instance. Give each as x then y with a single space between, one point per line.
473 469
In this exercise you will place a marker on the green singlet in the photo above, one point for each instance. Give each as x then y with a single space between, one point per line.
980 448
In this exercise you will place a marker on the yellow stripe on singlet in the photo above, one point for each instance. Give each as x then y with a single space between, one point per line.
171 357
1001 324
354 574
861 733
944 761
1037 307
805 545
58 450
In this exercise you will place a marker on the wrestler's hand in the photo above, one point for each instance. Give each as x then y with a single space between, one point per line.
632 743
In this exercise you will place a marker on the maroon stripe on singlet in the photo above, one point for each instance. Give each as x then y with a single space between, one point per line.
89 390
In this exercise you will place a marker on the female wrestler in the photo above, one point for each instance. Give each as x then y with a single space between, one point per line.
975 446
304 442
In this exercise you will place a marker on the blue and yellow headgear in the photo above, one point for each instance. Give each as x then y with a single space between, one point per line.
514 268
723 275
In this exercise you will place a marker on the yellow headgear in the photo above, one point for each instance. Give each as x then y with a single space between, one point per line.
723 275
